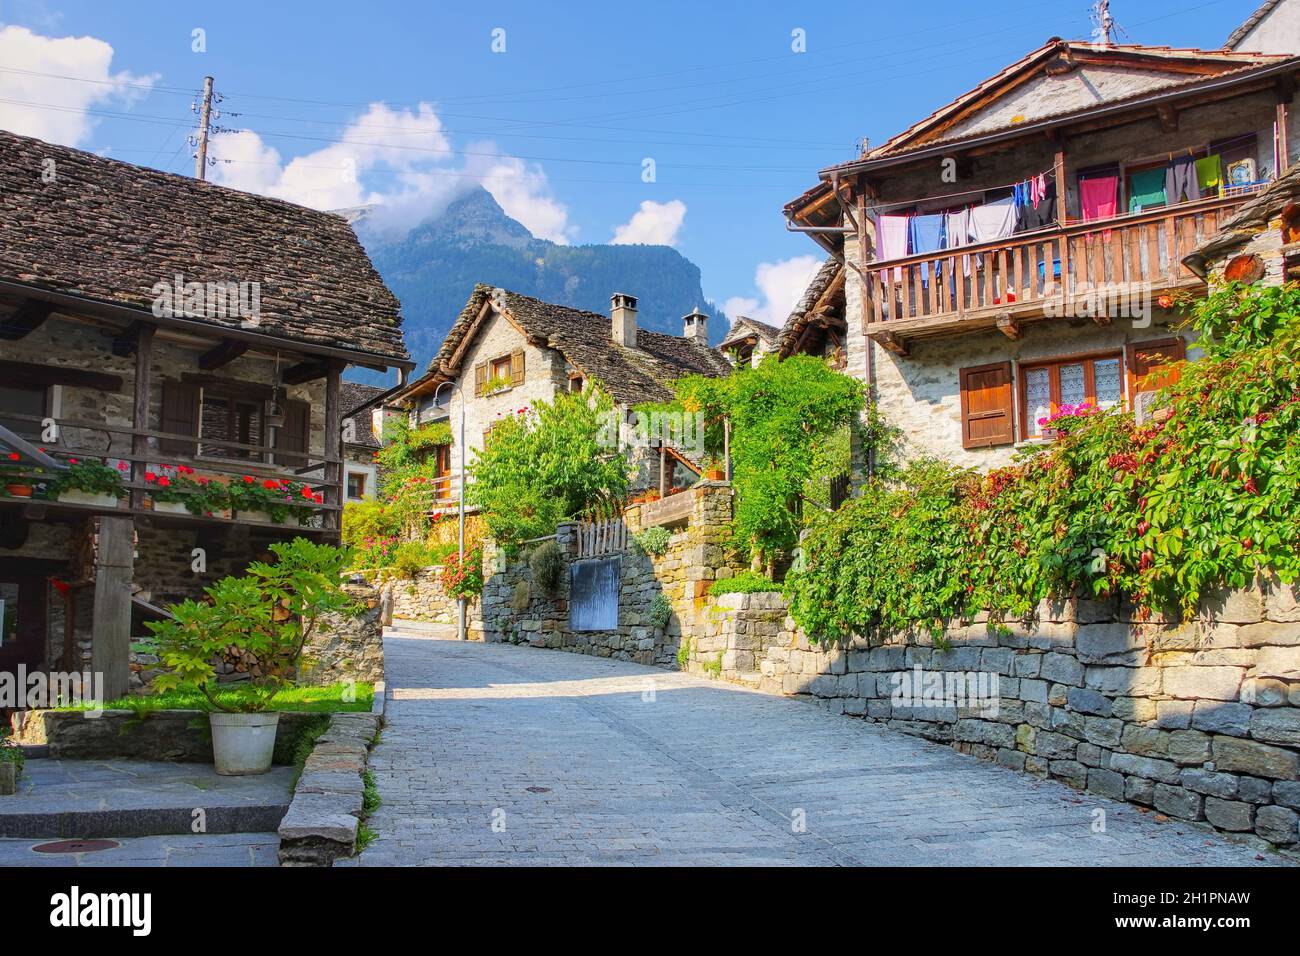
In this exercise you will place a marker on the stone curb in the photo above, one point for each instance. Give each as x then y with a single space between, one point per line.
324 815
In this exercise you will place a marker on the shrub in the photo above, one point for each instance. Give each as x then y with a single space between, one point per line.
746 582
547 565
463 580
653 540
661 610
409 558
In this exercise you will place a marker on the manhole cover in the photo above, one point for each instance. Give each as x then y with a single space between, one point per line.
539 789
76 846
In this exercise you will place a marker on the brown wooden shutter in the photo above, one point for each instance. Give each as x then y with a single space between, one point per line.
180 415
1146 359
480 378
294 436
987 408
517 367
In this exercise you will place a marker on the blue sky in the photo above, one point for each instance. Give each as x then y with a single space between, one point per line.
406 103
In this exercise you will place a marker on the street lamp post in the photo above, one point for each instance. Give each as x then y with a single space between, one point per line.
460 601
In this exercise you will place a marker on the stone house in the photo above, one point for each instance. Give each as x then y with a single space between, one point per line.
506 351
1058 299
366 410
156 323
1273 28
748 340
1261 243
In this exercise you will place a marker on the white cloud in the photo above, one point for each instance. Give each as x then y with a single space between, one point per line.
62 117
654 223
409 152
780 284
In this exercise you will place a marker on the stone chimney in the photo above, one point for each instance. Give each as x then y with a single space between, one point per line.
622 316
696 326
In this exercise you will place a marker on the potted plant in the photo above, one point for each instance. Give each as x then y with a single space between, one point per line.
271 613
274 500
714 470
181 493
88 483
14 476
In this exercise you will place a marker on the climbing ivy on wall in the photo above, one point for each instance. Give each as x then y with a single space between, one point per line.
1160 513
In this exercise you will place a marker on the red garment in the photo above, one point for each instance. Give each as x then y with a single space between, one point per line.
1098 197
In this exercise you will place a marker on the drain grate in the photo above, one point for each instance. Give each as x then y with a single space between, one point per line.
76 846
538 789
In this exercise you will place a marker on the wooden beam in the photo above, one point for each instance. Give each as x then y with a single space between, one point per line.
28 317
1058 164
29 373
1009 327
334 443
124 343
221 355
1285 93
890 343
140 408
110 653
304 372
229 386
1168 117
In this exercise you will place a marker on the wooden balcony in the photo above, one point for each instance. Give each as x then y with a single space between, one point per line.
263 462
1064 271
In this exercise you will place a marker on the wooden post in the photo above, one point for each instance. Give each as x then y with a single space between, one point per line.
140 412
110 654
663 471
1285 93
333 444
1058 165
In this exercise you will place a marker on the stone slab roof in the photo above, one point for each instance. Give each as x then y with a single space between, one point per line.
109 231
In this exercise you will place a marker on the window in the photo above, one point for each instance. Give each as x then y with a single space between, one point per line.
986 406
228 418
23 400
356 485
1150 364
505 371
501 367
1046 387
575 383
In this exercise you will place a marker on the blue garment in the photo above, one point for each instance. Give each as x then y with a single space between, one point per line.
927 234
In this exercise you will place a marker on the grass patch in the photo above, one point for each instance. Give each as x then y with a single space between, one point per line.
746 582
312 731
9 754
365 836
319 700
371 801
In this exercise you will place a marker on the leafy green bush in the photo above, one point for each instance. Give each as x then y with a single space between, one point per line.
653 540
1160 513
661 611
547 564
746 582
546 464
11 754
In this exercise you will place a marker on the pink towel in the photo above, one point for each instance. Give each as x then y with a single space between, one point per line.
891 240
1098 197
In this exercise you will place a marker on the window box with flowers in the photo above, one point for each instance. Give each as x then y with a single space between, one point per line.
88 483
272 500
16 479
181 492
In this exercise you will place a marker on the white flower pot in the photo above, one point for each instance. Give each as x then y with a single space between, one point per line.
171 507
243 743
88 498
289 522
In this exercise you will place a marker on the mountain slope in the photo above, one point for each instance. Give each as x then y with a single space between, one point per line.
433 269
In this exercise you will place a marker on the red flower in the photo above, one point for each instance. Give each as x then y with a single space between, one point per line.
163 481
248 479
307 493
72 461
203 481
13 456
270 483
149 476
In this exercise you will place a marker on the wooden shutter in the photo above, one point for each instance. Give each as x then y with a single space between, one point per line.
295 434
480 378
180 415
1146 359
517 367
987 416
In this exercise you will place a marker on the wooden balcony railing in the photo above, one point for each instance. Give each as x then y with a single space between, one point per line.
1034 273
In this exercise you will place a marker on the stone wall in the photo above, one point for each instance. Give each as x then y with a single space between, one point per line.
347 648
514 610
422 598
1199 720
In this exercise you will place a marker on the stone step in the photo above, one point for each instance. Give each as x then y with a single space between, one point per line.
85 799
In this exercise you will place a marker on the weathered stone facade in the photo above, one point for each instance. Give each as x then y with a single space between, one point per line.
422 598
1199 720
347 648
512 609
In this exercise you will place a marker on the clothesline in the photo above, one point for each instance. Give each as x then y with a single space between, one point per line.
905 203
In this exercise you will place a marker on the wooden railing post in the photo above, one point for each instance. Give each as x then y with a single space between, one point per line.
140 410
333 445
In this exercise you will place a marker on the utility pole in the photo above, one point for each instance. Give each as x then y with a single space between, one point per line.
1105 25
205 117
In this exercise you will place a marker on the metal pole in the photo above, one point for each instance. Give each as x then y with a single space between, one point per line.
205 115
460 602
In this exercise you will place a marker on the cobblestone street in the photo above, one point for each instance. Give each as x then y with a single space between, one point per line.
496 754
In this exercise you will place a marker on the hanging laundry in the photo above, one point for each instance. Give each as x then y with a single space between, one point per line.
891 239
1038 216
1040 189
926 234
1097 197
957 234
1146 189
1180 180
1209 172
993 221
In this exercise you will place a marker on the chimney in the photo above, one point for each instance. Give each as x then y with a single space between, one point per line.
622 315
696 326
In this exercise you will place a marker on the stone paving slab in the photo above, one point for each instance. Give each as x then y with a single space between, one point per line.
224 850
91 798
503 755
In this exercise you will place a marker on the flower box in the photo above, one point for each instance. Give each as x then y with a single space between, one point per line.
18 490
74 496
262 516
171 507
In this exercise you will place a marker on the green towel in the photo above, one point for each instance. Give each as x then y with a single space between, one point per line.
1147 188
1209 173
